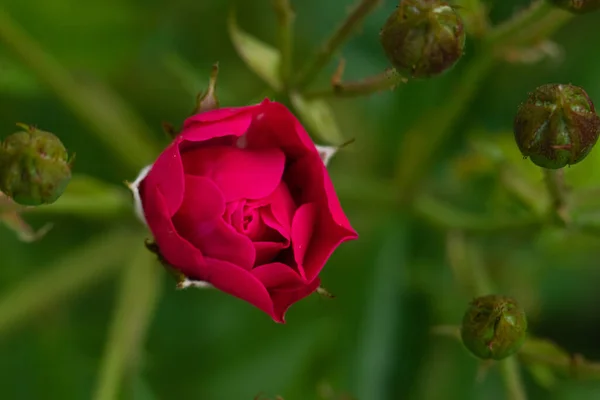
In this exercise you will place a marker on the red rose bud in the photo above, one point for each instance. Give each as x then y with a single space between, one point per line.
494 327
34 167
577 6
556 126
241 200
423 38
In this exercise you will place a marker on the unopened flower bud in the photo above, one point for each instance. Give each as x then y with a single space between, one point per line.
556 126
423 38
34 167
577 6
494 327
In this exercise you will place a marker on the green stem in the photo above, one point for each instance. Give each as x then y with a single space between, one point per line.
323 56
513 27
512 379
555 185
422 141
389 79
417 149
108 117
138 296
445 216
57 283
285 17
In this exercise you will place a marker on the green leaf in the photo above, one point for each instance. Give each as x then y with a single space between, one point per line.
318 117
260 57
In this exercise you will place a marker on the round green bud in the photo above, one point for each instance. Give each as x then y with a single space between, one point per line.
494 327
423 38
34 167
577 6
556 126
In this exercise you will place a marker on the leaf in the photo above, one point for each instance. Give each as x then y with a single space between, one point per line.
260 57
319 118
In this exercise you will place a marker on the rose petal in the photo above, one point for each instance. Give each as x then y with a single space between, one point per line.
275 125
166 174
283 207
309 181
267 251
177 251
285 286
203 201
302 232
278 276
283 298
242 284
239 173
216 239
218 123
327 236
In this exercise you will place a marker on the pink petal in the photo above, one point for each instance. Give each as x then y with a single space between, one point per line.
203 201
285 286
166 174
278 276
217 239
176 250
326 238
275 125
218 123
284 298
302 232
282 206
240 283
239 173
309 181
271 222
267 251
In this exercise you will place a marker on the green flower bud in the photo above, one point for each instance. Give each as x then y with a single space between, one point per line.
577 6
34 167
423 38
556 126
494 327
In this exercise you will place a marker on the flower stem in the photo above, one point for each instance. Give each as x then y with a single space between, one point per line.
422 141
285 17
323 56
417 149
555 184
138 296
388 79
512 379
56 283
109 117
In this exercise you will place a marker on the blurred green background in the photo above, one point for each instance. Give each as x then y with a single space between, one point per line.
60 295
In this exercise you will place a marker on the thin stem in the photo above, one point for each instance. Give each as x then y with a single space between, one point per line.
555 185
417 149
139 292
108 117
60 281
323 56
446 216
512 379
515 26
389 79
422 141
285 17
537 22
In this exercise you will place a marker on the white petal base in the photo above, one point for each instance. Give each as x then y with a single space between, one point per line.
326 152
135 189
